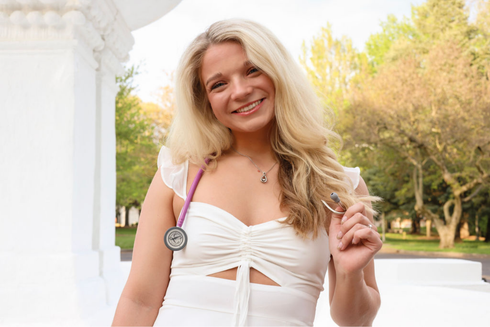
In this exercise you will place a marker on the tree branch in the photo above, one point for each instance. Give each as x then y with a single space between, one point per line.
446 208
468 198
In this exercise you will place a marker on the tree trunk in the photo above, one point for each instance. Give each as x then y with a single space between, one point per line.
418 189
477 229
446 233
457 233
415 224
118 215
428 227
383 226
487 234
126 216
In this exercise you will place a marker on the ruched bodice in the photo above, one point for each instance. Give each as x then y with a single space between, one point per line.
218 241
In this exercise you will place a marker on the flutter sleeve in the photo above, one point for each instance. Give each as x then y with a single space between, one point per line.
354 175
174 176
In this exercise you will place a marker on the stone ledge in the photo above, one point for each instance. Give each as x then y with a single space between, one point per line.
436 272
386 249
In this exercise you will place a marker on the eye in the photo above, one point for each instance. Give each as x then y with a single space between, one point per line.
253 70
216 85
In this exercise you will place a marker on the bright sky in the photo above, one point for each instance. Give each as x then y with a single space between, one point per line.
159 45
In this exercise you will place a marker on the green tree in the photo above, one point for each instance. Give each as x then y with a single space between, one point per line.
443 20
332 66
481 42
136 153
424 104
432 108
394 31
160 114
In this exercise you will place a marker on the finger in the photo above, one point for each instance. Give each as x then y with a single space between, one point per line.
358 218
336 215
351 211
347 239
368 235
336 218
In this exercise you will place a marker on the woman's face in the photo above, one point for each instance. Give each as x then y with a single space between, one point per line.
241 96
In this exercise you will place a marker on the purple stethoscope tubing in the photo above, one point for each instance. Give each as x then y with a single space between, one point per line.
187 202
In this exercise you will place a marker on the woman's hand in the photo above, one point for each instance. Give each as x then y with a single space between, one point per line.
352 242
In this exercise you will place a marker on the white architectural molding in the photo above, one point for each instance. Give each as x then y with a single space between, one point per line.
58 62
97 24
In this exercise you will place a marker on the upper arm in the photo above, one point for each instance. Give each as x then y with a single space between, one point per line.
369 275
150 268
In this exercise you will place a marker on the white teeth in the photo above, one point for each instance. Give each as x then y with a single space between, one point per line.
250 107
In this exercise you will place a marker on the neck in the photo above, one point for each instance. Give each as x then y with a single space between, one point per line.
256 145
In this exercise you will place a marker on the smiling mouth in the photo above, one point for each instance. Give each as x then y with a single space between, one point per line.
249 107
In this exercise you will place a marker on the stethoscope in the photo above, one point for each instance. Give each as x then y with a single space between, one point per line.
176 238
335 198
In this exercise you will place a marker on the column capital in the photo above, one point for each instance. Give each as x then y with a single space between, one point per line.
96 25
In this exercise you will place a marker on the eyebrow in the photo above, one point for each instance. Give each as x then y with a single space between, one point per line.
213 77
245 64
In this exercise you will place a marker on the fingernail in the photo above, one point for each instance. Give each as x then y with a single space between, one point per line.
344 218
339 246
339 235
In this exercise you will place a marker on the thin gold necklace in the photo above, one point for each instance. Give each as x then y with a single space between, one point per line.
263 179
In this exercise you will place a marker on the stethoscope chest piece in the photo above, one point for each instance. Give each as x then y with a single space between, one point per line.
175 238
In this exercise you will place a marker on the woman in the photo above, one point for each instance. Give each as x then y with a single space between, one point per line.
259 236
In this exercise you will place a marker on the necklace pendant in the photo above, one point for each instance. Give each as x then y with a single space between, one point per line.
264 178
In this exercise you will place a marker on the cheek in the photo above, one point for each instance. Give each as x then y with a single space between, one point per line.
212 104
218 105
218 109
214 108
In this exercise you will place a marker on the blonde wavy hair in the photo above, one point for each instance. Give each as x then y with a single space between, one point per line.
308 168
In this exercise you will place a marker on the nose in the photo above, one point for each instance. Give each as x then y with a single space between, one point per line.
241 89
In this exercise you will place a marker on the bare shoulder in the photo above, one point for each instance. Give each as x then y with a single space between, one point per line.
362 188
150 269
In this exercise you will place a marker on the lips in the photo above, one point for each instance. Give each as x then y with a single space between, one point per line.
248 107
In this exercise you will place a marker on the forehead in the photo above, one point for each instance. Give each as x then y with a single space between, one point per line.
222 56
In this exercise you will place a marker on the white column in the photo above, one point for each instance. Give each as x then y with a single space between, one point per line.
105 177
58 60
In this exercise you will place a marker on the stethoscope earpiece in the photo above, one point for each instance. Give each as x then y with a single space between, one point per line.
335 198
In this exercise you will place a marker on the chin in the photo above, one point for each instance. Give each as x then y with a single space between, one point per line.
253 128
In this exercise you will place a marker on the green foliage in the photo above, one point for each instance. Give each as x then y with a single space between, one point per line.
478 207
443 20
379 45
136 152
418 112
332 66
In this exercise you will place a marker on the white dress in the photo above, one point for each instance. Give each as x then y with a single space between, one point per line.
218 241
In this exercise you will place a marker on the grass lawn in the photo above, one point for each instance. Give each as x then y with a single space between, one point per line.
125 240
421 243
125 237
